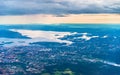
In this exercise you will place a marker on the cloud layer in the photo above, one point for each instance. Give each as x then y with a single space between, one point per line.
58 7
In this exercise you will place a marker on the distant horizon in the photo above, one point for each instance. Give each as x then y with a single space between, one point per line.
64 24
51 19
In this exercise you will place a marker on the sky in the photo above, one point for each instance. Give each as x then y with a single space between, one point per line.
55 8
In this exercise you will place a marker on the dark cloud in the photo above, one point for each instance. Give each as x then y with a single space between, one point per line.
58 7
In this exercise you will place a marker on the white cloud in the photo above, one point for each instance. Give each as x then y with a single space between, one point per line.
44 36
85 37
105 36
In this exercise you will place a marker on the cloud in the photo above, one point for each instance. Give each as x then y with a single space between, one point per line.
58 7
45 36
